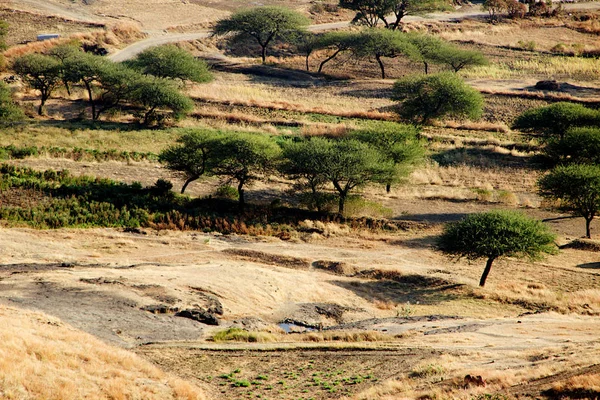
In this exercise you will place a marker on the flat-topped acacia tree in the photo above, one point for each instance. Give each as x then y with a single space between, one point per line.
263 24
496 234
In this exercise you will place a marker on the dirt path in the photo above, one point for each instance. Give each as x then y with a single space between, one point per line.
74 13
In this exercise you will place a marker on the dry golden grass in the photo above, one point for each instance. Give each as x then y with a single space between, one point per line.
236 90
43 358
548 67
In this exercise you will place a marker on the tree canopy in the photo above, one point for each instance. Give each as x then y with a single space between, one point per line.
577 189
264 24
577 146
381 43
398 143
496 234
557 118
372 12
170 61
428 97
244 157
192 156
41 72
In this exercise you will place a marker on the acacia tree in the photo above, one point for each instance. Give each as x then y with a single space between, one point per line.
243 158
496 234
428 47
338 42
428 97
306 43
117 85
371 12
398 143
577 146
379 44
577 188
557 118
494 7
263 24
155 95
457 58
192 156
9 111
349 164
85 68
41 72
170 61
304 161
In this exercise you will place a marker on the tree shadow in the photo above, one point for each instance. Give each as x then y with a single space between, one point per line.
592 265
435 218
564 87
378 93
397 292
483 158
426 242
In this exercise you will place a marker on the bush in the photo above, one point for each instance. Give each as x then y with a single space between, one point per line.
577 146
496 234
577 188
557 118
430 97
169 61
227 192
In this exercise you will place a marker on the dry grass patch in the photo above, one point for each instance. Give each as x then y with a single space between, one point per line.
43 358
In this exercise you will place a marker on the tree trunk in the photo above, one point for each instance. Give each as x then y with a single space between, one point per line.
307 66
381 66
41 109
588 232
241 201
426 67
486 271
187 182
341 203
88 87
325 61
388 187
264 54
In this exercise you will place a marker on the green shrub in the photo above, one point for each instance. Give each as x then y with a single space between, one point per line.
227 192
496 234
429 97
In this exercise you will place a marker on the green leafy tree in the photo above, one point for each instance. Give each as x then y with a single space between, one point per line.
350 164
170 61
577 188
86 69
304 162
380 43
243 158
155 95
62 53
306 43
192 155
372 12
429 48
117 85
398 143
428 97
577 146
9 111
496 234
457 58
41 72
557 118
264 24
494 7
338 42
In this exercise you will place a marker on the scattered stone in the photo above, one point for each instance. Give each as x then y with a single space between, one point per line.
160 309
548 85
472 380
199 315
